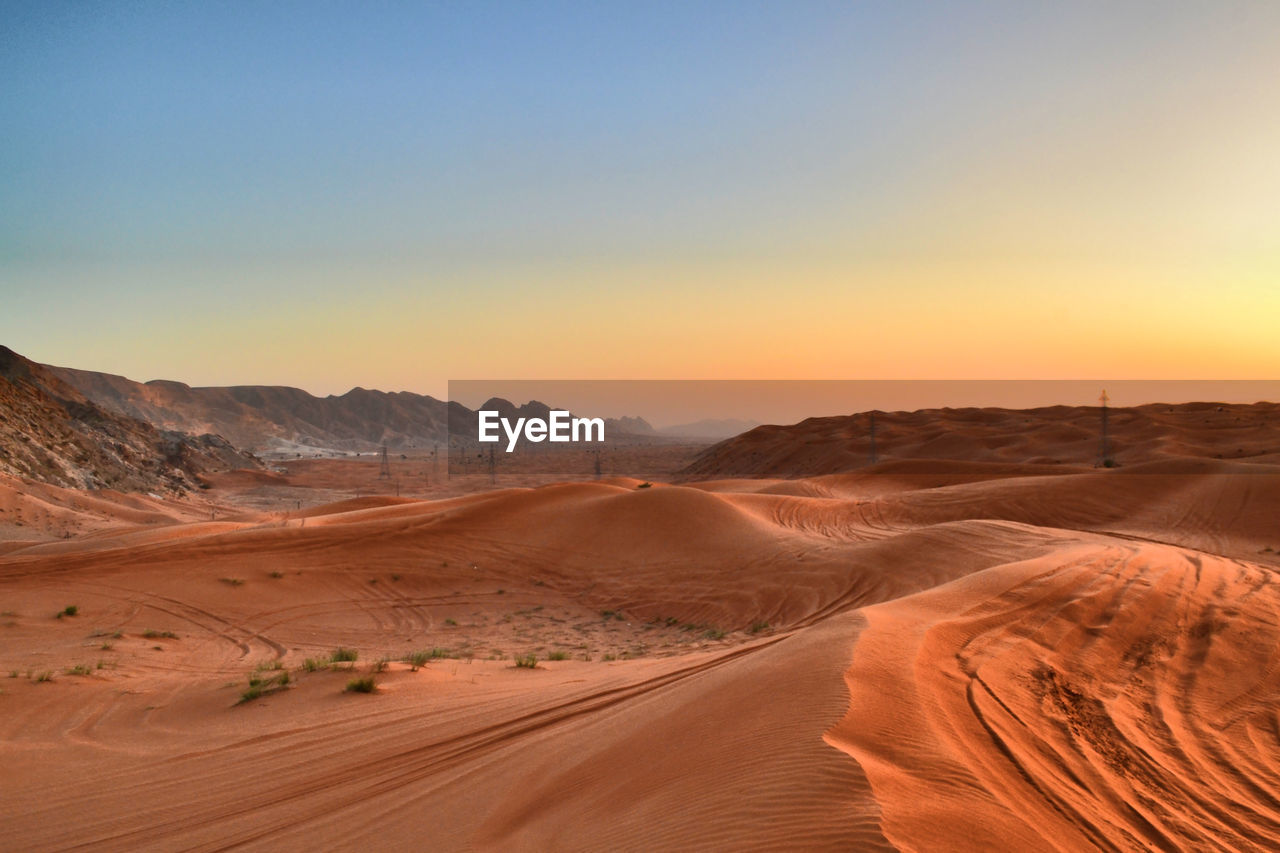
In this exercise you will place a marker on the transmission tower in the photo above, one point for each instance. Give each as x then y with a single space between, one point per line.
1106 449
384 473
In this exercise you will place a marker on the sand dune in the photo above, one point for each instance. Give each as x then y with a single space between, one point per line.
1053 436
977 656
1117 697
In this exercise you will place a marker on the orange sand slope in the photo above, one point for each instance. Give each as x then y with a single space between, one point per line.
963 658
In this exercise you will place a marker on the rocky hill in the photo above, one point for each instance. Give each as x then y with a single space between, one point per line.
52 433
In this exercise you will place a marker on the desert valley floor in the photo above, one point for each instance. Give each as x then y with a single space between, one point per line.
919 656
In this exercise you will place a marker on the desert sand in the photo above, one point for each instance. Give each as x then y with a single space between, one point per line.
949 655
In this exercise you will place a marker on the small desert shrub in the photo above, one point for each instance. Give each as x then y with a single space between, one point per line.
713 634
425 656
609 657
362 685
344 655
395 577
261 686
43 676
380 665
232 581
645 486
268 666
277 575
314 664
69 610
80 669
558 656
757 627
106 647
150 634
526 661
452 623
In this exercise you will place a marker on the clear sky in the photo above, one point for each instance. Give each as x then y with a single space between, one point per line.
395 194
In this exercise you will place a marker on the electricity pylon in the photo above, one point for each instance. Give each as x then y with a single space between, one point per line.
1106 450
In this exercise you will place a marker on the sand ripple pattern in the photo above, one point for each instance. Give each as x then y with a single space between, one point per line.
1118 698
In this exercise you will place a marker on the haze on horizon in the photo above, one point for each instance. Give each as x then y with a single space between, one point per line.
391 196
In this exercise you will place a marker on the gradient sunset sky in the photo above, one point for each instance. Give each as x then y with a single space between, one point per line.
395 194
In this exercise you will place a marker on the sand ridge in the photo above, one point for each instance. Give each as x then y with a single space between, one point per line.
1016 658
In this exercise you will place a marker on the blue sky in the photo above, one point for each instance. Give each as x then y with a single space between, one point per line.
392 194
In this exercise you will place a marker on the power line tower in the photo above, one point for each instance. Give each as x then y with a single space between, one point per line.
1107 461
384 473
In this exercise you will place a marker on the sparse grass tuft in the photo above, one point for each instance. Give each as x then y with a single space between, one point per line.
260 685
526 661
106 647
43 676
232 581
344 655
424 656
757 627
713 634
314 664
80 669
380 665
151 634
69 610
277 575
558 656
609 657
362 685
452 623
